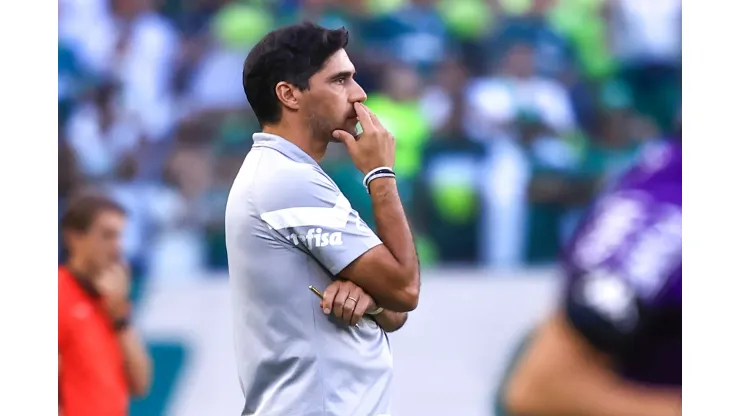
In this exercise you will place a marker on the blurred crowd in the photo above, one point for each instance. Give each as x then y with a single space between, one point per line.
510 115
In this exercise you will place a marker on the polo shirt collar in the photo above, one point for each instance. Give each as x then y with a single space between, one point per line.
282 145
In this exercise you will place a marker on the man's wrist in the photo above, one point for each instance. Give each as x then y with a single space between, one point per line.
376 174
381 187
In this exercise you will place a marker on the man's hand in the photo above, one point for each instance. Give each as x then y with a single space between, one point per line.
374 148
348 301
114 285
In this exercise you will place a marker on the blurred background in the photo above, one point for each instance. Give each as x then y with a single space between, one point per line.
510 117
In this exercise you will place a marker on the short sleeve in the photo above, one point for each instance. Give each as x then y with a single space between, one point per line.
306 209
619 266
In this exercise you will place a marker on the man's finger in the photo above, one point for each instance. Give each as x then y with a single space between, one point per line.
363 114
340 300
351 304
373 118
329 294
362 306
346 138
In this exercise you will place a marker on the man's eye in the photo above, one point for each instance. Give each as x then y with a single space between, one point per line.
341 80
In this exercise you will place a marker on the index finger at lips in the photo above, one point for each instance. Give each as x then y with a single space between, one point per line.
363 114
376 122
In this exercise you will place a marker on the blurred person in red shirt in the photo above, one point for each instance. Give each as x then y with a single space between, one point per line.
101 359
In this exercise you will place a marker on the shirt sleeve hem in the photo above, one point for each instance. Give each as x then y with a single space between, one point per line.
337 267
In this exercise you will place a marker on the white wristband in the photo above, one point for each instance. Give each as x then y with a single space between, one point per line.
375 312
369 176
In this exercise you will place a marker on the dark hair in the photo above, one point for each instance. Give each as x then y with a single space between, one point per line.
84 209
292 54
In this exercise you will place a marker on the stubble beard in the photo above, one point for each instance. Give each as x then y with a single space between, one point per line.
321 128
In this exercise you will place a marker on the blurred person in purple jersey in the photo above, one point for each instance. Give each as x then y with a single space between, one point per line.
614 345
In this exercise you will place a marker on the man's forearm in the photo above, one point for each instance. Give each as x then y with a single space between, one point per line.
391 321
136 361
393 227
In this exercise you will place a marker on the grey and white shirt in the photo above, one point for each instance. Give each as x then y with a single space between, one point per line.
289 226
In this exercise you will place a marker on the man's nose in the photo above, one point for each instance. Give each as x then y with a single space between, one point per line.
358 94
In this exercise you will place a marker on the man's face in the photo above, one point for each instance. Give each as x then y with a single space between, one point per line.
328 104
520 61
100 245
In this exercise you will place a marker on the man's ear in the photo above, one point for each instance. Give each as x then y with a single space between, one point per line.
288 94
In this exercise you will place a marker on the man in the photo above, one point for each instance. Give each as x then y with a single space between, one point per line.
288 226
101 359
614 348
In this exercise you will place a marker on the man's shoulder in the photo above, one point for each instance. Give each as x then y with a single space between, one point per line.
296 174
293 183
274 168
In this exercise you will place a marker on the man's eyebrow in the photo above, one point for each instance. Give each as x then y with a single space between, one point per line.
340 75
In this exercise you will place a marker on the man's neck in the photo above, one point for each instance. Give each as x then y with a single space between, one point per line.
314 148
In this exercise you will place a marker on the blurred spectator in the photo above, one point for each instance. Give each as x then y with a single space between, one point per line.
69 181
552 52
135 195
178 249
512 87
128 40
215 58
86 26
142 58
413 34
646 39
554 189
72 80
438 97
496 104
102 133
449 203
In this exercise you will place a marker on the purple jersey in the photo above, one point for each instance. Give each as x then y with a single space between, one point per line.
624 271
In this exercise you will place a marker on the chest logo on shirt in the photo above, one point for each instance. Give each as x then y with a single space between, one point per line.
315 237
